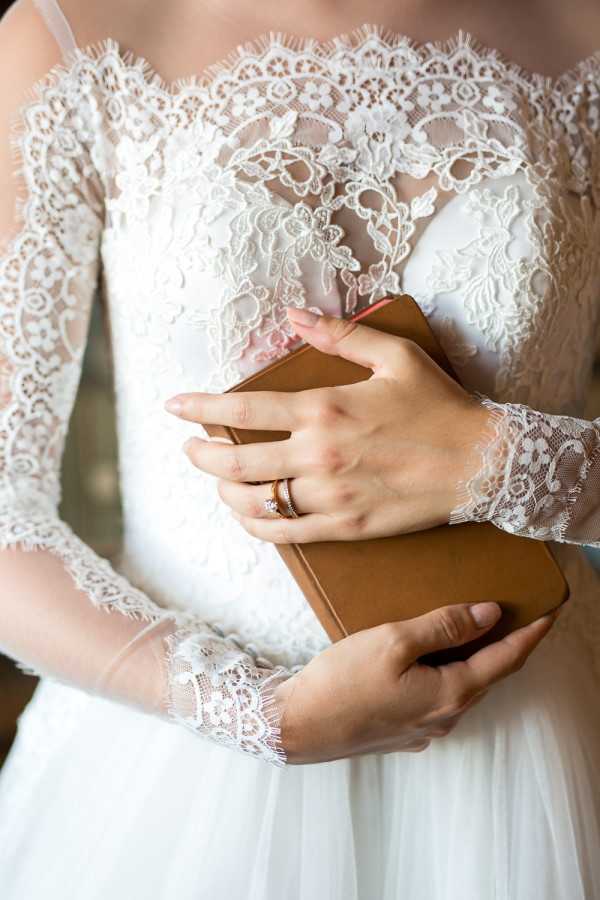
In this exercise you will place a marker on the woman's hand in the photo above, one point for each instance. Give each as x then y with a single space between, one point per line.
367 693
380 457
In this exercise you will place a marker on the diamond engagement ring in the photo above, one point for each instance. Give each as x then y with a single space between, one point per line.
271 504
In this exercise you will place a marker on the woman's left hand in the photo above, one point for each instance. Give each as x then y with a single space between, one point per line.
380 457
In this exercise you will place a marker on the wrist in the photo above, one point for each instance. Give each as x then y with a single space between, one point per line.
288 732
479 474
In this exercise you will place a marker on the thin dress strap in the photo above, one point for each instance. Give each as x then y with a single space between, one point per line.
55 19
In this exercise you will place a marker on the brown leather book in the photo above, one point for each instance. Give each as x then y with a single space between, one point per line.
352 585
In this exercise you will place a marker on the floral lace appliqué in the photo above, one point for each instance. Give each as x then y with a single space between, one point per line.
534 467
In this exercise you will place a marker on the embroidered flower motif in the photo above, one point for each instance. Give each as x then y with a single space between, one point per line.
87 121
219 709
202 659
378 133
247 103
280 342
316 95
46 271
314 234
31 436
134 179
378 282
42 334
535 454
512 519
381 123
498 100
432 96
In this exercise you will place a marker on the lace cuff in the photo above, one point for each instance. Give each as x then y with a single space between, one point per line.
538 475
225 693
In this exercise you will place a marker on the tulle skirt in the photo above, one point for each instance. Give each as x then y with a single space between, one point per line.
98 801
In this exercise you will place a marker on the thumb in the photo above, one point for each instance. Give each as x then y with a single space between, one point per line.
361 344
449 626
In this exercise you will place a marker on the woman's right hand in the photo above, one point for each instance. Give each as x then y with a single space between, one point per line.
368 694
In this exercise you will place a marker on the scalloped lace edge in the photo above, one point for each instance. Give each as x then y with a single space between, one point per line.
324 49
466 498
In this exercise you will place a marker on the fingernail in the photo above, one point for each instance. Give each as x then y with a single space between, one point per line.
302 316
485 614
186 446
174 405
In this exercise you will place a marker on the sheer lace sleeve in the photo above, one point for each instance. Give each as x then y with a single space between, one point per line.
65 613
538 475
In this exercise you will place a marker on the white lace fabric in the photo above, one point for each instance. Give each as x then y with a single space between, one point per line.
291 173
538 476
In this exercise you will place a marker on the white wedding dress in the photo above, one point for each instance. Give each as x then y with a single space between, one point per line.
148 764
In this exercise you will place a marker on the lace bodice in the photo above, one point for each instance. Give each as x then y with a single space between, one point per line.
291 173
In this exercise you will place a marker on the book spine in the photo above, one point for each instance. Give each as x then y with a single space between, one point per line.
310 587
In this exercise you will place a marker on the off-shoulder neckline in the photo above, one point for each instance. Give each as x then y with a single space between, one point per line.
352 40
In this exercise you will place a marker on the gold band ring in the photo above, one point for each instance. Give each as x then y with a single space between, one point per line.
273 503
285 490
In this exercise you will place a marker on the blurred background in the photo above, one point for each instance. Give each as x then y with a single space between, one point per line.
90 488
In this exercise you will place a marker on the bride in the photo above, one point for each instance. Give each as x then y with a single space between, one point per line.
233 178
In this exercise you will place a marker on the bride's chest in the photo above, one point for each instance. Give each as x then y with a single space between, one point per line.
332 183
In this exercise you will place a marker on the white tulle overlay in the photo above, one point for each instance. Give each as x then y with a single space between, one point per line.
309 174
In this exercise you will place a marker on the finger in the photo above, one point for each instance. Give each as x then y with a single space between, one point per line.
448 626
307 494
453 718
242 462
341 337
246 499
307 528
497 660
262 410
